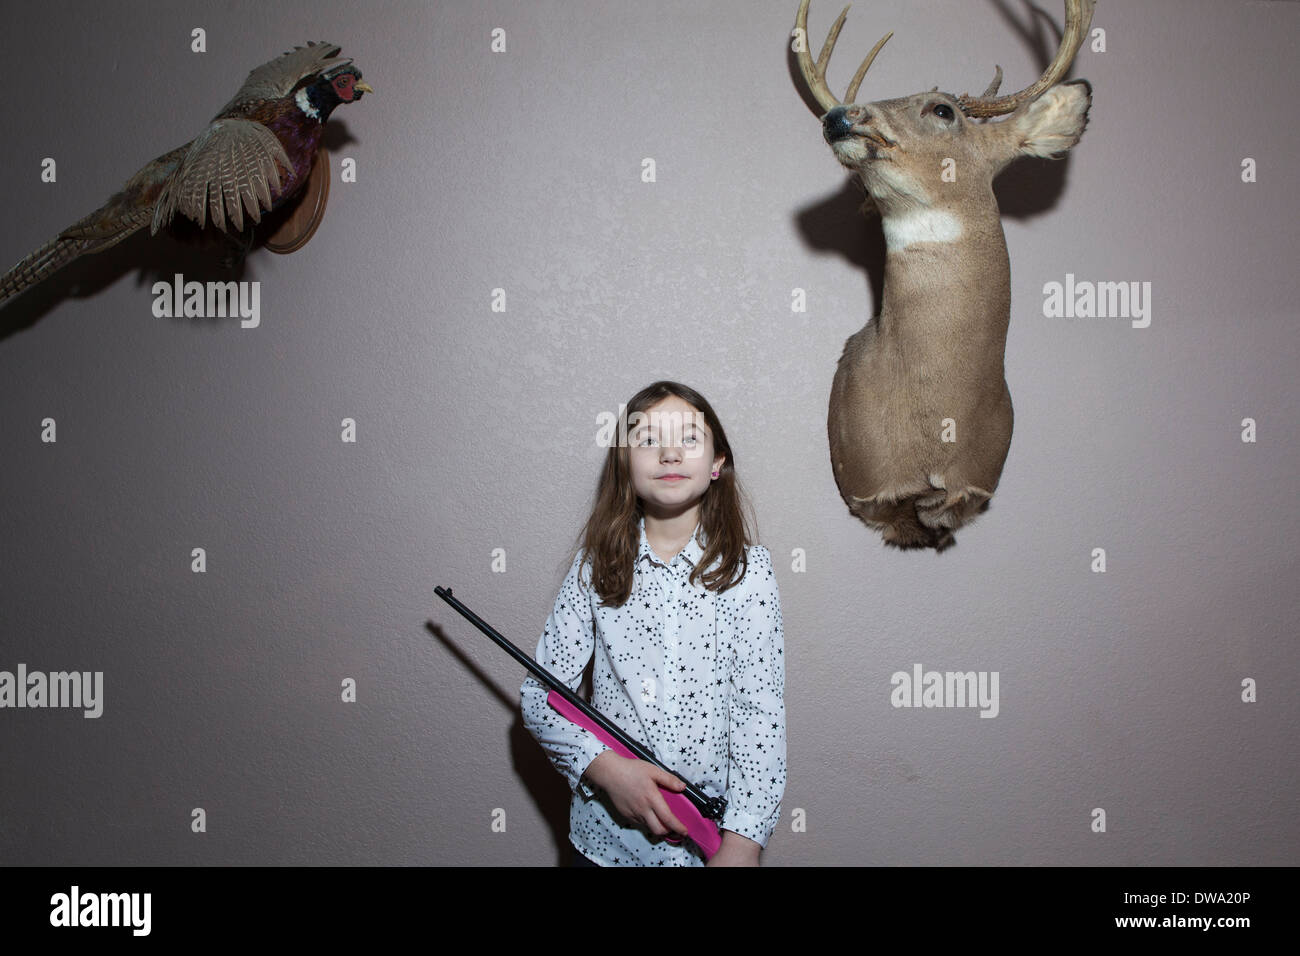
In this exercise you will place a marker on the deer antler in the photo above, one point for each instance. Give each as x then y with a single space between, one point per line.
815 76
1078 17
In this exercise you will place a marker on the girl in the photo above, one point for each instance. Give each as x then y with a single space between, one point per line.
682 615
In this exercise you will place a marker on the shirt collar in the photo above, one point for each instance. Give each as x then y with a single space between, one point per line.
692 552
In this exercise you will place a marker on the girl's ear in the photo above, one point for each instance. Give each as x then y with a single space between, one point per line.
717 464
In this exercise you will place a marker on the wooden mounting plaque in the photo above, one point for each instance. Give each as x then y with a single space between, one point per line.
300 225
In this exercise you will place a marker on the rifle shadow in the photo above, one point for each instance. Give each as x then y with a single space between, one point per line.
549 792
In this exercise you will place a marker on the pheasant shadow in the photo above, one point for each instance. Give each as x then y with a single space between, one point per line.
151 258
336 136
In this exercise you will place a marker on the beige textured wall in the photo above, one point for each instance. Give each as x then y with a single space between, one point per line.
476 431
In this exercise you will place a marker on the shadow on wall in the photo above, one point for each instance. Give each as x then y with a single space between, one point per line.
547 788
1024 190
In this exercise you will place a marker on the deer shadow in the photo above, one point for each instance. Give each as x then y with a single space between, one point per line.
1025 189
200 255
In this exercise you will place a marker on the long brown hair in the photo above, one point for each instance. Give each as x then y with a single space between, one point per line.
611 536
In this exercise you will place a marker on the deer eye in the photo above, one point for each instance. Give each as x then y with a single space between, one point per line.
943 111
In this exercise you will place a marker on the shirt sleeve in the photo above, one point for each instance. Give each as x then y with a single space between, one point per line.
756 710
566 646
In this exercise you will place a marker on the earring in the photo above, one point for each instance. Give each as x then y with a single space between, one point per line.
715 474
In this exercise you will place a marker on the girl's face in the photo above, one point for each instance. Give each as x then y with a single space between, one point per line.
671 457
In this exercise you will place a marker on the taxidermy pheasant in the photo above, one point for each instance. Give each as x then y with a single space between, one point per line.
254 155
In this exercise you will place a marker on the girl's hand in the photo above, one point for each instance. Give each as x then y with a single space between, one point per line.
633 787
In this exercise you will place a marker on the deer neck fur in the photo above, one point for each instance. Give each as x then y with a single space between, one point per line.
947 279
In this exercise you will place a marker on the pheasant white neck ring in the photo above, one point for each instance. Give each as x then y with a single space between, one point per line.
304 104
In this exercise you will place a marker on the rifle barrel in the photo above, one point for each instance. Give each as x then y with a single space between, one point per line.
707 805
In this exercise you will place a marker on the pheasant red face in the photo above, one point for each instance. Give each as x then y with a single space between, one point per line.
348 86
318 97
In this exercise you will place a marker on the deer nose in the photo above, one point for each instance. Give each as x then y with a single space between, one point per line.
837 123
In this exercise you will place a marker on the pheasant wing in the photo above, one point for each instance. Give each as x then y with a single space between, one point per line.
281 76
233 167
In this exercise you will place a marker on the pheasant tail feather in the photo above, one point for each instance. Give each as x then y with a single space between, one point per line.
63 248
126 212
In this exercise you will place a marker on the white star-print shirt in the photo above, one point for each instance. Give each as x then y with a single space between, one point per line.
696 676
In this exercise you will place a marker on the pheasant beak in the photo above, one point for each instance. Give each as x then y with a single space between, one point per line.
363 87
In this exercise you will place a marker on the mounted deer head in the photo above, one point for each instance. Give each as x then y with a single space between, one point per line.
920 416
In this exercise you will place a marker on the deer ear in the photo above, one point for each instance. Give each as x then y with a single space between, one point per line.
1053 123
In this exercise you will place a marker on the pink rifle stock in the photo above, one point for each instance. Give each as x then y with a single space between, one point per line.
704 832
